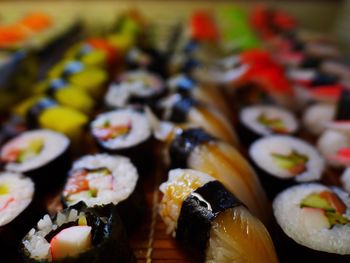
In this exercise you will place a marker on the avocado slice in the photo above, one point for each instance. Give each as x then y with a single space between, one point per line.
316 201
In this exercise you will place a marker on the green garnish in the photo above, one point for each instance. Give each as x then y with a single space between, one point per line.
274 124
33 149
294 162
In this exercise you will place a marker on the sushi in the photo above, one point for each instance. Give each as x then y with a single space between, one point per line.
44 113
282 161
77 234
210 222
187 86
42 155
137 86
195 149
90 79
181 109
263 120
67 95
314 223
124 131
317 116
103 179
19 209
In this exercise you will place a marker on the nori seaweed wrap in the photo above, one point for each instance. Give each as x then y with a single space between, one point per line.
78 234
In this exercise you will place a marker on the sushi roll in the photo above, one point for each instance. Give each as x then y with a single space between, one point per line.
67 95
317 116
42 155
103 179
314 223
195 149
77 234
263 120
90 79
19 209
181 109
88 55
45 112
282 161
187 86
125 131
136 86
210 222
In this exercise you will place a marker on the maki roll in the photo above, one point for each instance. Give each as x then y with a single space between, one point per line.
135 87
282 161
208 94
45 112
125 131
77 235
315 224
182 109
211 222
67 94
19 209
42 155
90 79
193 148
317 116
262 120
103 179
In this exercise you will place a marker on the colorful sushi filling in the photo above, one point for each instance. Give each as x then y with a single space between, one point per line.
121 128
99 180
16 193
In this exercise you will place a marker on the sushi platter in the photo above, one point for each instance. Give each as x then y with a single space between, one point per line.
225 139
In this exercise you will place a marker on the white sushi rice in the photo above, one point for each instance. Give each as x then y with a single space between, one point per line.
35 242
261 153
55 144
20 191
294 220
249 117
124 181
330 142
170 208
140 128
317 116
345 179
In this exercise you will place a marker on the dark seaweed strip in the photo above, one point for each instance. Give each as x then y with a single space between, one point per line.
322 79
184 143
197 213
343 110
35 111
72 68
181 109
55 85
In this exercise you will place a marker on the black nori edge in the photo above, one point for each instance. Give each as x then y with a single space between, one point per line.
184 143
108 238
181 108
35 111
197 213
12 233
55 85
343 110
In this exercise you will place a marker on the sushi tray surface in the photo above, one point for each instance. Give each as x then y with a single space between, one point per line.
223 137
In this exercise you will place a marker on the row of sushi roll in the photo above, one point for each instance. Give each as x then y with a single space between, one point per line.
233 129
101 190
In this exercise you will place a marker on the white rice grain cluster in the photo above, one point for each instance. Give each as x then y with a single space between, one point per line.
36 244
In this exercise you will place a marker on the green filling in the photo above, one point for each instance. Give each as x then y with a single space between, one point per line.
317 201
293 162
33 149
4 189
274 124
